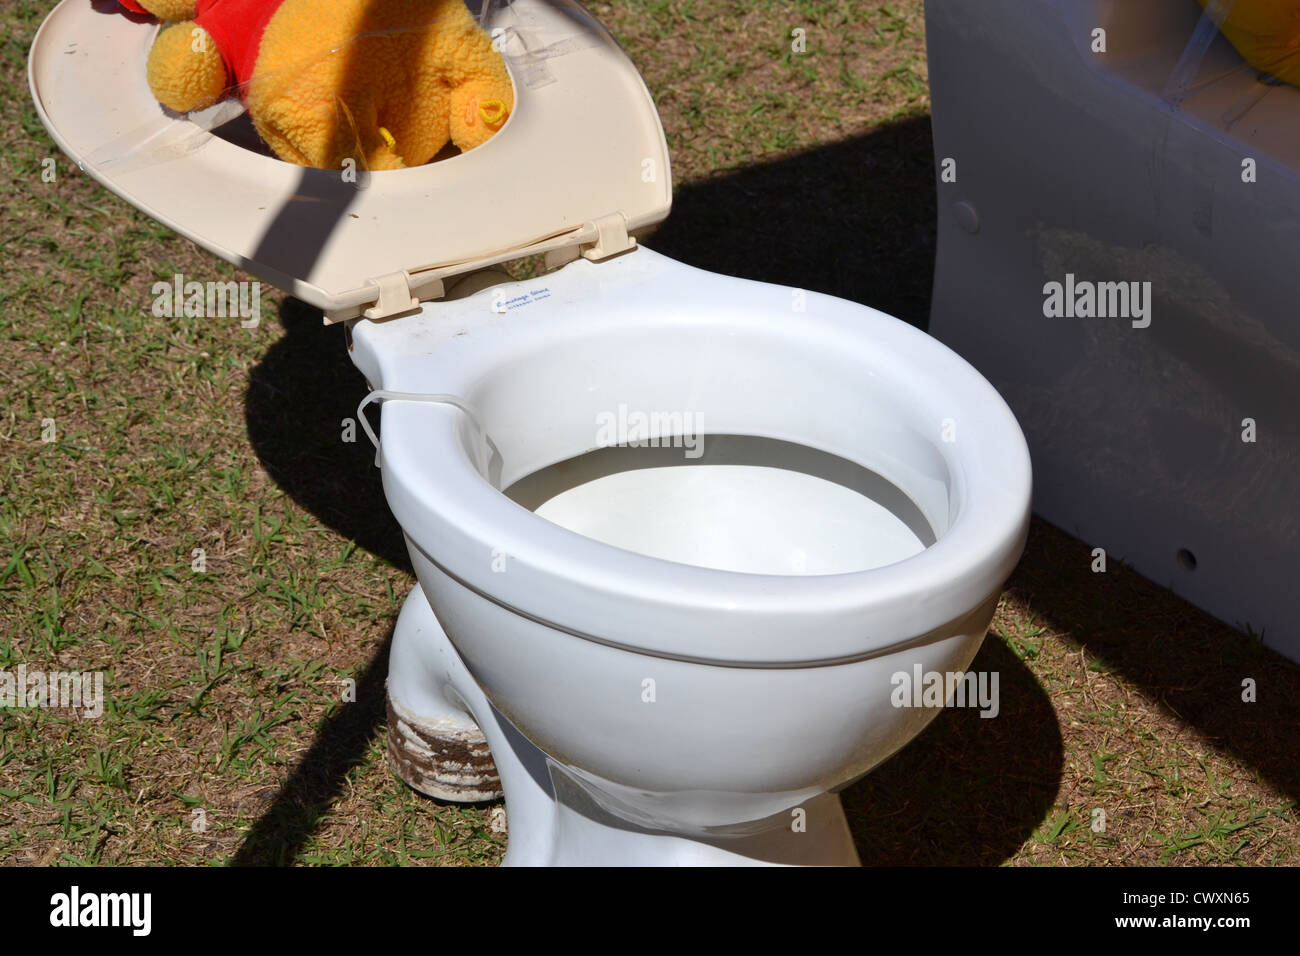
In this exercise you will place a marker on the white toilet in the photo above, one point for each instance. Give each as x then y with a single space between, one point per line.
675 533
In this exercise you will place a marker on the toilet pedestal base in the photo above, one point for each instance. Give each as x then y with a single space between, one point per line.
439 720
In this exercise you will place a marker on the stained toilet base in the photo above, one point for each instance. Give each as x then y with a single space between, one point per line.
446 758
441 726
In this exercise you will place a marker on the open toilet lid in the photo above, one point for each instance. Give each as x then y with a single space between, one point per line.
581 160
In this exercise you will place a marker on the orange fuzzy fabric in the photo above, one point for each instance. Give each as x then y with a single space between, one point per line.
325 81
1267 34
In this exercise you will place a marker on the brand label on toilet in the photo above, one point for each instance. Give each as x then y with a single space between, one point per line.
503 301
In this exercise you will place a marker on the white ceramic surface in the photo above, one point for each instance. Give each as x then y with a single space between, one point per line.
768 688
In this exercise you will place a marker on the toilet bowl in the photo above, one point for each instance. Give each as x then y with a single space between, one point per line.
689 688
676 535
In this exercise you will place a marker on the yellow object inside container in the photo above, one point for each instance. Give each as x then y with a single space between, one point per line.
1267 34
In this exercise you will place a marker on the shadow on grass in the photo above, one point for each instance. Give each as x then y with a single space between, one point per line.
341 743
298 398
969 791
1192 664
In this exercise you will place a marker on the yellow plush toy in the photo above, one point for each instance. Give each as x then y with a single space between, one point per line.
386 83
1267 34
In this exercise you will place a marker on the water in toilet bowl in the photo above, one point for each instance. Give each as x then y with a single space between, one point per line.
733 503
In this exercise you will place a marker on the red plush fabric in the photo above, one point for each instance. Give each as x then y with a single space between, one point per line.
237 26
133 6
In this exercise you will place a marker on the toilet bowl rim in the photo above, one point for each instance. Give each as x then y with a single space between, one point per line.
584 587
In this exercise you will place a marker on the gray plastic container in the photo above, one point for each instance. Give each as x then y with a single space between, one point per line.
1164 160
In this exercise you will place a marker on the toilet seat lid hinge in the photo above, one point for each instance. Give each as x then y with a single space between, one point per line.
395 295
612 238
400 292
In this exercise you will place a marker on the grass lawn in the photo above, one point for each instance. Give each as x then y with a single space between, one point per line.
225 687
